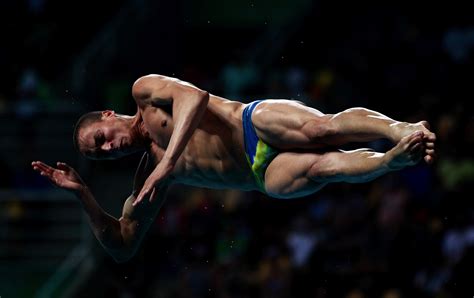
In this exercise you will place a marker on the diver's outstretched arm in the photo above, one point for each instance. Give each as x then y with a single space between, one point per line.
121 237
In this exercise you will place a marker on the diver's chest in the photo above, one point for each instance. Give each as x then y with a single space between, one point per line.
159 124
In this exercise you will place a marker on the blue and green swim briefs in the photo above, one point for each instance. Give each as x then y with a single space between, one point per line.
259 154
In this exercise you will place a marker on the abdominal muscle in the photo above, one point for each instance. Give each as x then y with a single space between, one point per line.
209 161
214 156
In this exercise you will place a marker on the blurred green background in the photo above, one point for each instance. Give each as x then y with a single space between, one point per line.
407 234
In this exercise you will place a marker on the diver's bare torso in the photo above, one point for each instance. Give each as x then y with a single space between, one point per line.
214 156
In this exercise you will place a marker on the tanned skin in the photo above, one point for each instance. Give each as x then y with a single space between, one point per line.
192 137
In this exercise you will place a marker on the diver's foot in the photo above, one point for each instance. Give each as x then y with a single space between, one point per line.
408 152
403 129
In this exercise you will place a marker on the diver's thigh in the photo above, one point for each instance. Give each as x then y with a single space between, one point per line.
281 123
287 175
287 112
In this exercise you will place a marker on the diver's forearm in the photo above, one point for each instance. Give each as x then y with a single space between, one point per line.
188 113
93 210
105 227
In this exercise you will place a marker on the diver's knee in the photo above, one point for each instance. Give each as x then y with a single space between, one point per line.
273 190
319 129
325 170
277 190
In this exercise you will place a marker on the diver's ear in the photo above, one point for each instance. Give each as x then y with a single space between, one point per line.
108 113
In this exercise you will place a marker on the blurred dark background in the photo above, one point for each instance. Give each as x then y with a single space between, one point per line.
407 234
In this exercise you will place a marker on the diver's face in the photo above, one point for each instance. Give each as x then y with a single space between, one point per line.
107 139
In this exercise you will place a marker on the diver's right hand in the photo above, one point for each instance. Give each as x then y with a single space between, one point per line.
63 176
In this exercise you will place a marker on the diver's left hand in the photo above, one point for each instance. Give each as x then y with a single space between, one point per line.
149 188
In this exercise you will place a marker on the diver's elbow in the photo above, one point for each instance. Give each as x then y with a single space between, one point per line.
123 257
123 254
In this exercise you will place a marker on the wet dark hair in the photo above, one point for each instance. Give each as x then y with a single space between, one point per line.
85 120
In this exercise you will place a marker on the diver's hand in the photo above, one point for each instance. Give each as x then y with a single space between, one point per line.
63 176
149 188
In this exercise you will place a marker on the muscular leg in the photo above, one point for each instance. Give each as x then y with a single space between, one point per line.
289 125
297 174
362 125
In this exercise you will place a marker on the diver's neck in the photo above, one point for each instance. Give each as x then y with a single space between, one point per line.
139 131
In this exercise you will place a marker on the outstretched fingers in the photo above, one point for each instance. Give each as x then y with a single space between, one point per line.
144 192
42 168
153 194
